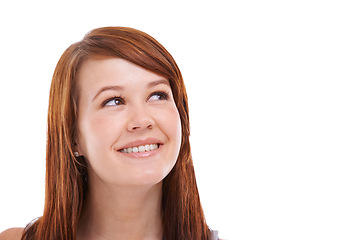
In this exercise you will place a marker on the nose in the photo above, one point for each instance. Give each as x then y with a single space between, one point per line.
140 120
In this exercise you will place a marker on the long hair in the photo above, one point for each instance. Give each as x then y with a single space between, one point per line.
182 214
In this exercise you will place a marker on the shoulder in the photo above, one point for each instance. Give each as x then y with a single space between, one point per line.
12 234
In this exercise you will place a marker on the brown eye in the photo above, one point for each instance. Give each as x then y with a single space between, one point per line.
115 101
156 96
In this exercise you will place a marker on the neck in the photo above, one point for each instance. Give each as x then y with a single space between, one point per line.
114 212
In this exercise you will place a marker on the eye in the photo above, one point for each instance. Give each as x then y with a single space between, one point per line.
115 101
156 96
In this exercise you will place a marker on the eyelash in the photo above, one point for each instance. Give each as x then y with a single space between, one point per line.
119 98
162 95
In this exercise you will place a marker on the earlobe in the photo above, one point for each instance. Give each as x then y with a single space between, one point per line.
76 150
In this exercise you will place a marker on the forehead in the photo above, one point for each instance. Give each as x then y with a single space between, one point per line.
99 69
98 72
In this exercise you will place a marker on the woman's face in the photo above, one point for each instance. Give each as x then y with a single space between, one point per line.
129 128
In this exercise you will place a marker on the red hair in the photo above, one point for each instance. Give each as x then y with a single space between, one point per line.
182 214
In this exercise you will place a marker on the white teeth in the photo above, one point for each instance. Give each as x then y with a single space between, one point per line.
147 148
143 148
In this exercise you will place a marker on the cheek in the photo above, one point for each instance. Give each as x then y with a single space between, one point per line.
97 133
177 128
170 124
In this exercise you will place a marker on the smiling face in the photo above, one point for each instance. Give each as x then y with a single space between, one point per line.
129 129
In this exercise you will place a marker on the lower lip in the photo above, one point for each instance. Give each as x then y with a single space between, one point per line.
143 154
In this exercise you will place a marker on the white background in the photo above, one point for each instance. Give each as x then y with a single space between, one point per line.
268 85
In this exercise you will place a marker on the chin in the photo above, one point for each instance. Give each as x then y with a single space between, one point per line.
147 177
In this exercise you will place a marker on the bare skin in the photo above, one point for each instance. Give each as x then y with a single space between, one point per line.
135 108
121 106
135 215
12 234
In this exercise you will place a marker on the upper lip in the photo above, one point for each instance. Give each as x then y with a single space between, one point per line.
141 142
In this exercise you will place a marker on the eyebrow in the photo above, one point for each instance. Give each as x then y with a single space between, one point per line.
157 82
120 88
107 88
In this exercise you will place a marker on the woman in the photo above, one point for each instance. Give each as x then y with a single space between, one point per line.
119 164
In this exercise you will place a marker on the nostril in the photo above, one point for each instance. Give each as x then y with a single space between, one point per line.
138 124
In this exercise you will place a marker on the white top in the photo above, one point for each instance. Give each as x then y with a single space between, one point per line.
214 235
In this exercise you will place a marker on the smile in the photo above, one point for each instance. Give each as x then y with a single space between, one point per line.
140 149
